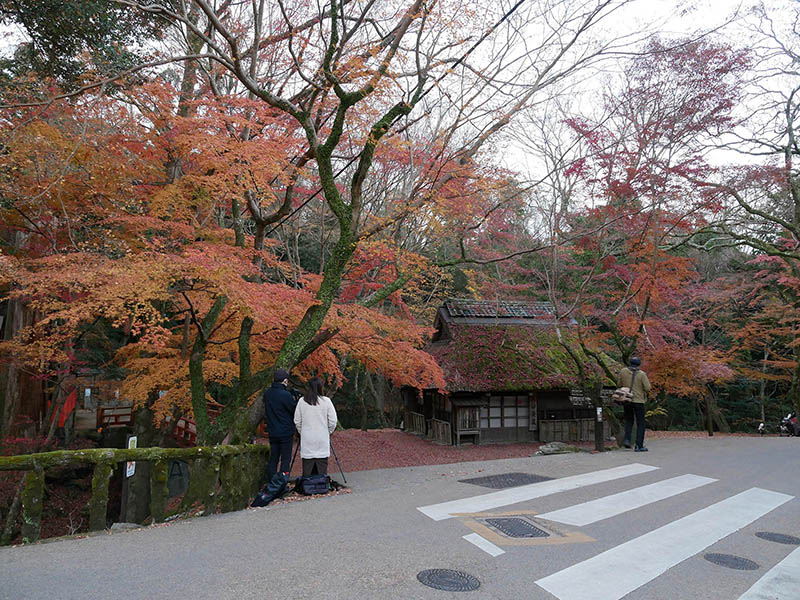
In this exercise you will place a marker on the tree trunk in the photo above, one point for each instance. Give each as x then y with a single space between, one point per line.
12 392
794 391
205 432
238 227
361 402
763 384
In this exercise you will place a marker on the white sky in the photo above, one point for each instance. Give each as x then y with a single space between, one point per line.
728 19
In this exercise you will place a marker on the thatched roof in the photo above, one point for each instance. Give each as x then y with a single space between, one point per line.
514 349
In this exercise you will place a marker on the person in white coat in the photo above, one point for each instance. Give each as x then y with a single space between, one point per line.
315 420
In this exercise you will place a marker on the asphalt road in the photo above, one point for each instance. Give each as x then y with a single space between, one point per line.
648 520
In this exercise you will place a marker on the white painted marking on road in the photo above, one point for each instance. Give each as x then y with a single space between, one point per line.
445 510
616 504
640 560
484 544
782 581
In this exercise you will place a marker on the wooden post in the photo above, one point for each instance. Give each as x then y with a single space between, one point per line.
32 498
597 397
227 477
210 483
241 477
158 490
98 505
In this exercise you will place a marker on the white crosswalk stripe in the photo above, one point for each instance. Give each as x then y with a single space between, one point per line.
642 559
639 561
616 504
522 493
484 544
782 581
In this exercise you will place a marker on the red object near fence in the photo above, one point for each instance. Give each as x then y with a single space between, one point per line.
114 416
185 432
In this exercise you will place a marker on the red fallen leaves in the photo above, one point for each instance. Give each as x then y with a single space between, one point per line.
387 448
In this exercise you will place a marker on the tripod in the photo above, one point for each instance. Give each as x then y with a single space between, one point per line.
336 458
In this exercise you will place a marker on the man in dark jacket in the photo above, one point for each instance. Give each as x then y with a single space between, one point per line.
279 405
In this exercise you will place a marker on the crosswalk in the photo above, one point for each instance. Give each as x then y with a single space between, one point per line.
785 576
522 493
640 560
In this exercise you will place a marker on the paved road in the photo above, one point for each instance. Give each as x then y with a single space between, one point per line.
622 525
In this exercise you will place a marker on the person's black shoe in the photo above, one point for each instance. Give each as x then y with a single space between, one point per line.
638 449
627 444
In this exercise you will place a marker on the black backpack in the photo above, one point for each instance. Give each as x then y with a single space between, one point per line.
275 488
313 484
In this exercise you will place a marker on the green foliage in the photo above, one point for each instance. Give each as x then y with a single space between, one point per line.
61 31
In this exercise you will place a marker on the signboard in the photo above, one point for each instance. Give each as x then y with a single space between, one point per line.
130 466
578 397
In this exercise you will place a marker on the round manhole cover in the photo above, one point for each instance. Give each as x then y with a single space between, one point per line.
732 562
448 580
780 538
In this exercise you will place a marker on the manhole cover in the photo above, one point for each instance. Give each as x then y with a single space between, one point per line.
505 480
448 580
732 562
517 528
780 538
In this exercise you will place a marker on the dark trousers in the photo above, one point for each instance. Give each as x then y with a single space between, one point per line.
280 448
634 409
315 466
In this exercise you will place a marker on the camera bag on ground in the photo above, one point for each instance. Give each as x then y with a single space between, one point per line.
275 488
313 484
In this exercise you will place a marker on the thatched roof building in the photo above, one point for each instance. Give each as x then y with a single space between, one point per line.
508 377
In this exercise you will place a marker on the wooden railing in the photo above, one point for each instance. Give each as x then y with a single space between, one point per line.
440 432
185 432
415 423
225 477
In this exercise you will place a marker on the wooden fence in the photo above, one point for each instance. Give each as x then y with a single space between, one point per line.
569 430
415 423
225 478
440 432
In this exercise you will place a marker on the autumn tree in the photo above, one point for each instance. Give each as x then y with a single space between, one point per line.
761 196
381 117
152 260
619 201
356 75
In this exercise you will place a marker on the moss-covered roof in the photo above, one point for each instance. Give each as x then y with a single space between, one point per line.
480 358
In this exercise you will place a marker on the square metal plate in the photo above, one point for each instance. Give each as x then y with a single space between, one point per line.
516 527
505 480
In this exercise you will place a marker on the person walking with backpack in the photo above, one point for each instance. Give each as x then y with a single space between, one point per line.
279 406
636 380
315 420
